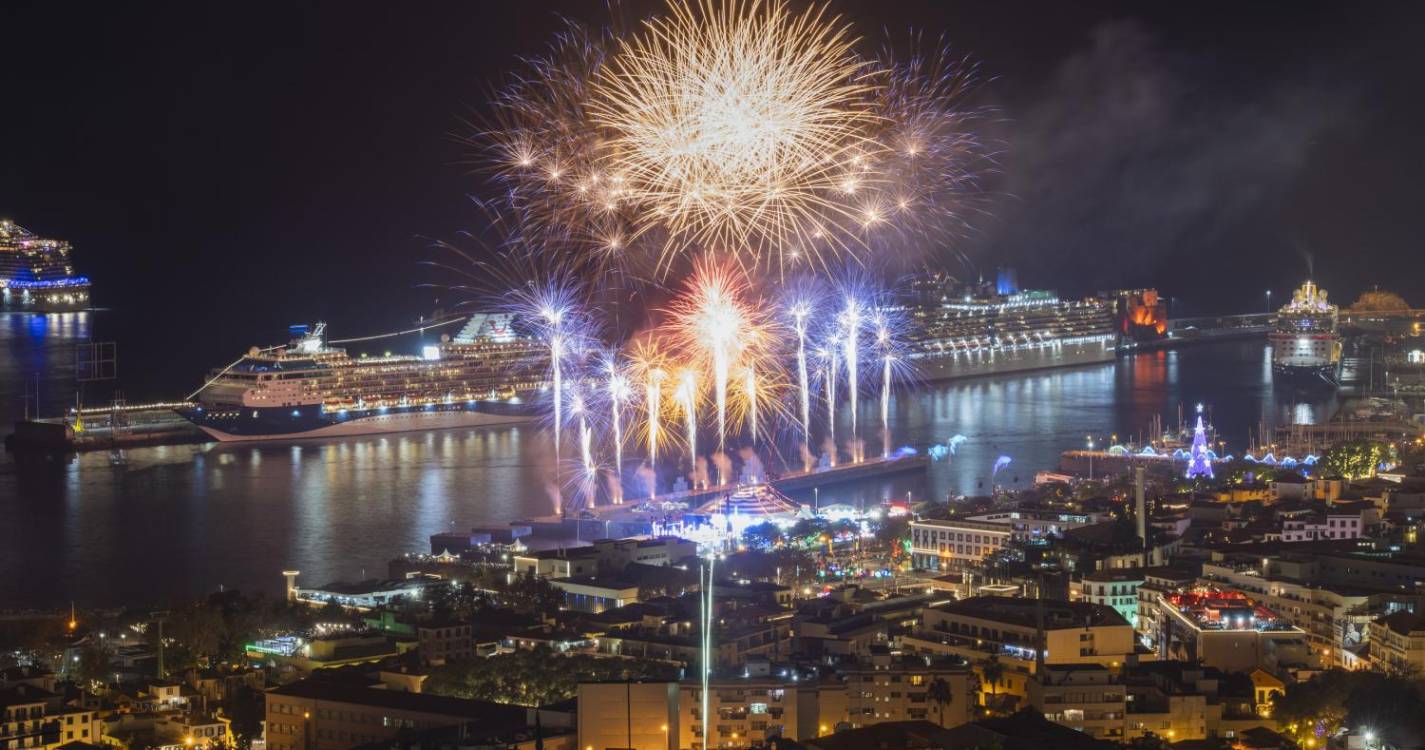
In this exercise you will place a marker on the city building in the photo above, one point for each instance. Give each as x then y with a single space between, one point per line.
33 717
939 544
1116 588
604 555
1175 701
1085 697
329 651
1398 643
750 711
595 593
1315 526
1331 593
363 595
1007 629
441 640
885 689
328 715
1227 630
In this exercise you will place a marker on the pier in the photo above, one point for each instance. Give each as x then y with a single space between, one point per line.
106 427
636 516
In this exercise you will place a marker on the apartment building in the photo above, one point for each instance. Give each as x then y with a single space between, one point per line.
750 711
1228 630
941 544
1116 588
1398 643
1085 697
980 627
32 717
901 691
440 641
320 715
1314 526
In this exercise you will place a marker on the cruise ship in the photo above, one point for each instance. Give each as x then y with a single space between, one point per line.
957 331
486 375
37 273
1306 346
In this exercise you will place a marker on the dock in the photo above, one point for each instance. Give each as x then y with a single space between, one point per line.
636 516
105 428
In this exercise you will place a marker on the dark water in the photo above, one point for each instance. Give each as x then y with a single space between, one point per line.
187 519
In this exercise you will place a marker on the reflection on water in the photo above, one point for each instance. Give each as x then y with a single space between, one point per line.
191 518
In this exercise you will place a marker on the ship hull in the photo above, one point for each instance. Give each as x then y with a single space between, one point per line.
979 363
239 424
1320 376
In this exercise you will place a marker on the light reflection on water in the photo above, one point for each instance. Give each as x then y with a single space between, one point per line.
191 518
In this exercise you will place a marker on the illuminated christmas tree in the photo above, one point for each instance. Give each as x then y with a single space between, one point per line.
1201 463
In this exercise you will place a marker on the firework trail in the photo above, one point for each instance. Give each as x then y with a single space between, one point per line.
618 392
851 322
800 311
883 343
829 354
688 400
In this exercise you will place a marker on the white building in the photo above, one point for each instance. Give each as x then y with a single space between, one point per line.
937 544
1322 526
1116 588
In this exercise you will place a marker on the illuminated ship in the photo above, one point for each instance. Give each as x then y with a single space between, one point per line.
485 375
956 331
1306 346
37 274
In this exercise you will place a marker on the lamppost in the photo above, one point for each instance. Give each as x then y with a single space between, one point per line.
1089 440
1269 300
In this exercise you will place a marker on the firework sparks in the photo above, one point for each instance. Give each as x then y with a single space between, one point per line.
712 323
741 126
733 121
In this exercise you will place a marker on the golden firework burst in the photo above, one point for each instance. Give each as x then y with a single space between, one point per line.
738 125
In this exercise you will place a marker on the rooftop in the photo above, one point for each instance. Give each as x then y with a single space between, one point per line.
399 701
1058 615
1214 609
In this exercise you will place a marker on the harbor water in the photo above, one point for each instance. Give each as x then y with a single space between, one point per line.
183 520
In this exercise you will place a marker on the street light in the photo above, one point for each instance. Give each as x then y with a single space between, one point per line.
1269 300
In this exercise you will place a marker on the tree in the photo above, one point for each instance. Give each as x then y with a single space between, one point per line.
762 536
93 666
992 671
939 693
892 530
1356 459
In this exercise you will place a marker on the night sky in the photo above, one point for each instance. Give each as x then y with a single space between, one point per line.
227 169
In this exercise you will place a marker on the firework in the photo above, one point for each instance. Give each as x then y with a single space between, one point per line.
742 127
733 122
750 394
829 375
618 392
800 311
713 323
883 343
688 401
851 327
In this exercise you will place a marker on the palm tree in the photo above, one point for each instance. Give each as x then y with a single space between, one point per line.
992 672
939 692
